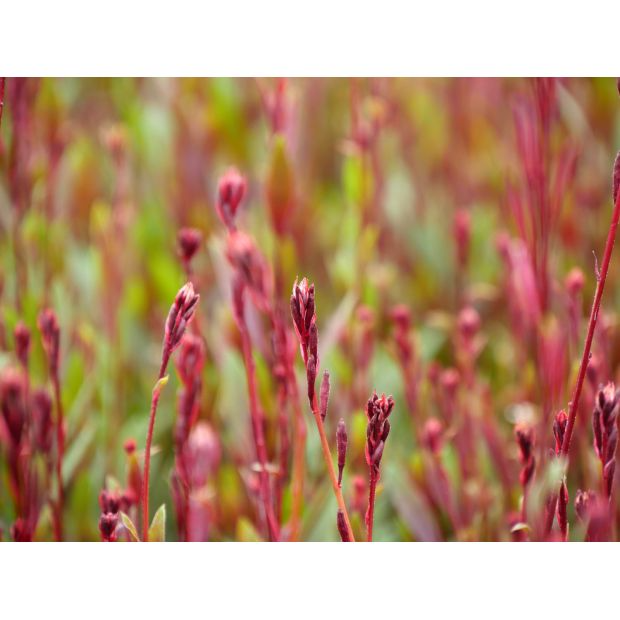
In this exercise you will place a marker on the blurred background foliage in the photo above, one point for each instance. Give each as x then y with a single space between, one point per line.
371 173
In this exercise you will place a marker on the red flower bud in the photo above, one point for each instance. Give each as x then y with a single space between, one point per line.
181 313
378 429
188 242
12 393
109 501
342 527
107 526
559 428
304 316
130 446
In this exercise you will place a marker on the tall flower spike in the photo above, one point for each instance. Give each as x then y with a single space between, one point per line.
180 314
377 411
585 358
231 190
304 320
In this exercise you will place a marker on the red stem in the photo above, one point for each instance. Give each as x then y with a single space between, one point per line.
60 440
2 85
329 461
258 430
585 358
147 452
370 514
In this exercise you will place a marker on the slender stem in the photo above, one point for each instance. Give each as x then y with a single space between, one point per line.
2 85
524 505
258 430
284 449
327 455
299 453
147 455
60 441
585 358
299 448
370 514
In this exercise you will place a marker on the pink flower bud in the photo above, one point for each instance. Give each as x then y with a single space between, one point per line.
574 281
181 313
432 436
231 190
468 322
188 243
203 454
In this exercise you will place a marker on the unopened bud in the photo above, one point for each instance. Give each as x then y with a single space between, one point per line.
341 446
342 527
324 394
231 190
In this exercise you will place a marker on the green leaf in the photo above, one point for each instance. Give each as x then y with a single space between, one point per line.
129 525
159 386
246 532
157 531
